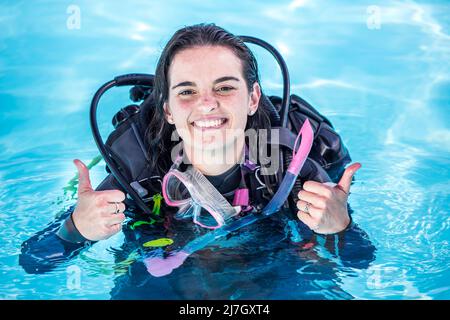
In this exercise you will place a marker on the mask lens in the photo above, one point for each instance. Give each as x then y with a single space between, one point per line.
176 190
205 219
196 196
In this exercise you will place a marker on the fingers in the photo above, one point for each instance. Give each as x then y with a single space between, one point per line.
114 229
309 208
111 208
315 199
84 182
108 196
111 216
307 219
318 188
346 179
114 219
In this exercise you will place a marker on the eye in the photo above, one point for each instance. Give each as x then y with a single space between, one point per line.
225 89
186 92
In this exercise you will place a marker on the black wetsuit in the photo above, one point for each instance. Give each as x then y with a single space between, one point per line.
60 241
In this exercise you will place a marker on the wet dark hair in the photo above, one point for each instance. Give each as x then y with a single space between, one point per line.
159 131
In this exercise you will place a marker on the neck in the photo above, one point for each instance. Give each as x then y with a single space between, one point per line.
216 161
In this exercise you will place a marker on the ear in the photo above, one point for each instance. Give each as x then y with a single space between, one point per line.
255 96
167 113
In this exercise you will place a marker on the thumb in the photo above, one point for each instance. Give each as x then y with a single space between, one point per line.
346 179
84 182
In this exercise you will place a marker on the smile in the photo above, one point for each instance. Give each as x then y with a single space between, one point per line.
215 123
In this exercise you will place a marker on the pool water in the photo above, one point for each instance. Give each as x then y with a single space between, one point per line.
378 70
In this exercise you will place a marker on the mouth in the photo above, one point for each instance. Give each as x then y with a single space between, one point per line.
210 124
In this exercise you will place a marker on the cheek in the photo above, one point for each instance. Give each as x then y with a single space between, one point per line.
179 104
238 108
180 110
184 105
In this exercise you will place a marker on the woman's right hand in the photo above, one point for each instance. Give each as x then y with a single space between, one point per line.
95 214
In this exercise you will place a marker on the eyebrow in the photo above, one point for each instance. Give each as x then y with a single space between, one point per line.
190 83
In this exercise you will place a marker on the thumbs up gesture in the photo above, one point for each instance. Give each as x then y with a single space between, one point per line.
98 214
323 207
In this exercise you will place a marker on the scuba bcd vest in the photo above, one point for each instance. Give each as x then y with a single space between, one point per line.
125 150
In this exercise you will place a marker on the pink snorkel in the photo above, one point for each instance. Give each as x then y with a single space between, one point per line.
202 195
160 267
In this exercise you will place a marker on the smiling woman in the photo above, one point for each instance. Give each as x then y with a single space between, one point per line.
211 109
207 90
206 75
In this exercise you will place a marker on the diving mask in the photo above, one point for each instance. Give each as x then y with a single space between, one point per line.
196 196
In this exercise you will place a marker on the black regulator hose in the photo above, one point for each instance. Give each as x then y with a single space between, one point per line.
286 99
125 80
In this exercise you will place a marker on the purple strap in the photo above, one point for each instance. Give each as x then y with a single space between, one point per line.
241 198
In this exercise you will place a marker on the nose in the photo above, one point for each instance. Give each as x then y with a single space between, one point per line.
207 103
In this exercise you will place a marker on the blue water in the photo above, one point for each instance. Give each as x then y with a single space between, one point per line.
381 75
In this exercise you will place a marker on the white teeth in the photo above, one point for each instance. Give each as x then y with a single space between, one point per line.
209 123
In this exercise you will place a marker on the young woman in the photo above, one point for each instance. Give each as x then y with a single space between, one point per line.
207 89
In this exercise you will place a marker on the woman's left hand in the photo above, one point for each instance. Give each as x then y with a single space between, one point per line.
323 208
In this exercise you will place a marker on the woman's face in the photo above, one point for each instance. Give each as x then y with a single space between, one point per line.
208 97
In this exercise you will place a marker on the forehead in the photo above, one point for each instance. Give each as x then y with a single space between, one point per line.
204 62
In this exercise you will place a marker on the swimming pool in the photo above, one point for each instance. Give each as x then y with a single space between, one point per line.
378 70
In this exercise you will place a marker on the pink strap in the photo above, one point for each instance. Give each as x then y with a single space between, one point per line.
241 197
